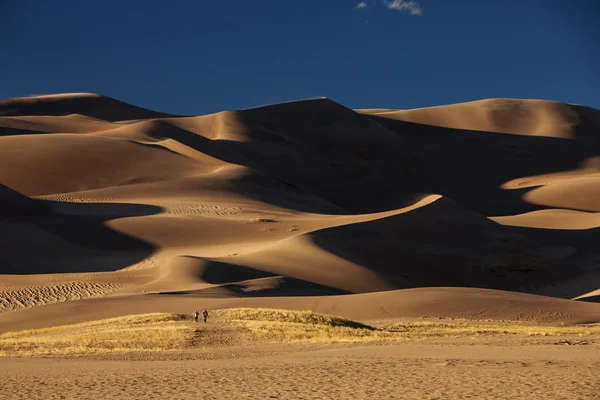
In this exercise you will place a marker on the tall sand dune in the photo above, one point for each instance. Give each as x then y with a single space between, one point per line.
88 104
300 200
518 117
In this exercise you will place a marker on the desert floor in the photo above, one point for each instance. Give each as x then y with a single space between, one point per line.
497 368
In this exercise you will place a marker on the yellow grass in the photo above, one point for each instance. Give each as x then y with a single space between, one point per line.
470 328
168 332
306 326
288 316
133 333
299 326
261 220
292 332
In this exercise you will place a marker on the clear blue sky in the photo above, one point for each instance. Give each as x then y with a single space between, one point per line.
202 56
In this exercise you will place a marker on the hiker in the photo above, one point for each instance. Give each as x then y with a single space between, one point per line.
196 315
205 315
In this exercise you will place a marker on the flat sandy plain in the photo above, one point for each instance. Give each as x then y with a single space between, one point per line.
457 369
480 211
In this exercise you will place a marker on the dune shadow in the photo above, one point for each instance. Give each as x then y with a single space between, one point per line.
219 273
262 182
232 280
6 131
93 106
276 286
419 249
319 156
37 235
590 299
471 166
305 161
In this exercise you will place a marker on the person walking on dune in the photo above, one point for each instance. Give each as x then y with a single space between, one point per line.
205 315
196 315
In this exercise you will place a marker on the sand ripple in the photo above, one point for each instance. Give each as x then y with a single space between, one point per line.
14 299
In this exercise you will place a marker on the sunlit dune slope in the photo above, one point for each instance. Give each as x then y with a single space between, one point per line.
513 116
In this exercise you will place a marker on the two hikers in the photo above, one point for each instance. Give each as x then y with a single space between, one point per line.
204 314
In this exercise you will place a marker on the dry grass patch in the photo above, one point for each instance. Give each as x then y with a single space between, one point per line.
261 220
475 328
288 316
168 332
306 326
133 333
300 326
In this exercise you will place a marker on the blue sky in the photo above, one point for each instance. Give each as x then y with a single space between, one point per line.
202 56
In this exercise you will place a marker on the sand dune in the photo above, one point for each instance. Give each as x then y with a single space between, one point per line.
519 117
467 303
13 203
593 296
559 219
292 201
578 194
88 104
79 162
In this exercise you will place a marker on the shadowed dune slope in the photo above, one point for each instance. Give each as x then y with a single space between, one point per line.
13 204
302 198
88 104
593 296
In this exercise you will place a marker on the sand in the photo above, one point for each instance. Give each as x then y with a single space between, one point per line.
476 195
481 210
450 370
460 303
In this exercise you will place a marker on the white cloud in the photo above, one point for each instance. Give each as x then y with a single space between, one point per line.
403 6
360 5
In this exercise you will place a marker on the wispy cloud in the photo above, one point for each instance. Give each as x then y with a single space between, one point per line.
411 7
360 5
